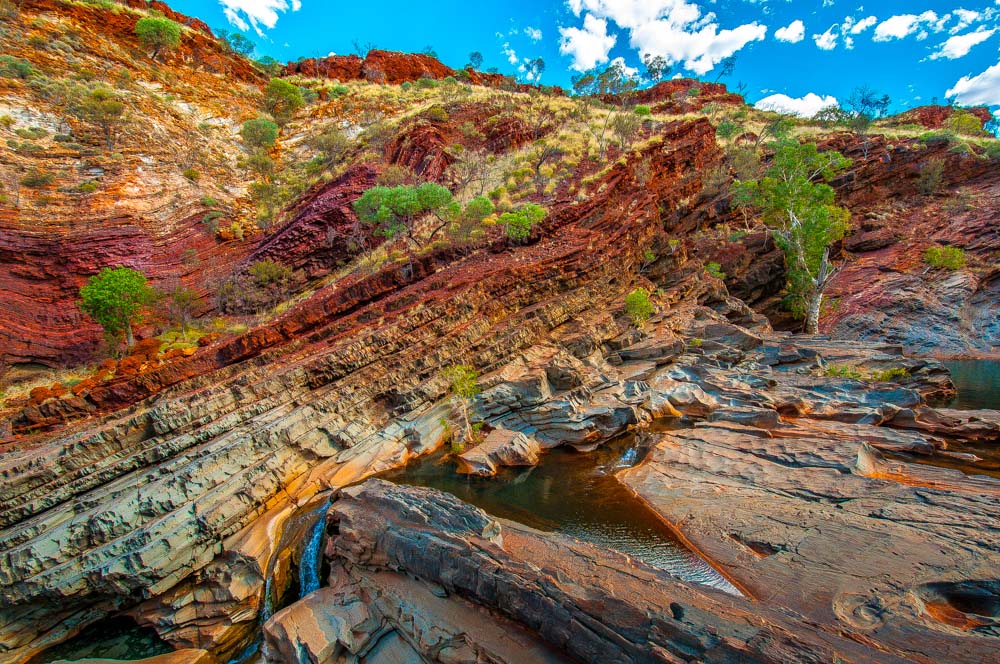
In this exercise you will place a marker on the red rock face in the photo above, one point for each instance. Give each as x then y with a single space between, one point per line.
934 117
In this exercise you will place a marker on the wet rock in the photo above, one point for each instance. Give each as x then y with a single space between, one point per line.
417 557
800 523
965 425
177 657
501 447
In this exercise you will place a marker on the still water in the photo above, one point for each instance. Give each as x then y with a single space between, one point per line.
978 383
574 494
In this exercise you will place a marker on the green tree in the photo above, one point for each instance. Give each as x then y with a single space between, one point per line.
657 68
260 133
799 207
282 100
180 307
463 384
332 144
117 299
236 42
394 211
518 223
158 33
102 108
475 60
638 306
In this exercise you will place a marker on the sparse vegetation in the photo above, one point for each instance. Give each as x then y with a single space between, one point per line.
931 176
158 34
259 134
639 307
117 298
463 385
948 258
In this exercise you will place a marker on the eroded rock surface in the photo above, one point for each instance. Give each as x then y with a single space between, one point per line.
409 555
501 447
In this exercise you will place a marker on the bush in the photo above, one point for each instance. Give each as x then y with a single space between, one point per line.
715 270
949 258
405 87
638 306
191 174
265 284
158 34
425 83
12 67
437 114
518 223
332 144
339 90
643 111
964 122
87 187
889 375
36 179
931 176
842 371
282 100
259 133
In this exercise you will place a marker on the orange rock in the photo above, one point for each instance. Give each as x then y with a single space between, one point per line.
208 339
40 395
147 348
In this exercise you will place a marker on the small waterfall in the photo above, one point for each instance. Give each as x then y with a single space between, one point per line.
309 564
629 458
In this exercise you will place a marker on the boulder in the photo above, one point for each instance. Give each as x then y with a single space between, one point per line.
501 447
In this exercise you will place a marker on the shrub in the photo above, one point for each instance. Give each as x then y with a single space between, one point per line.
260 133
889 375
87 187
518 223
158 34
209 202
437 114
395 175
339 90
261 287
31 132
949 258
842 371
425 83
36 178
964 122
406 86
116 298
715 270
643 111
191 174
102 108
931 176
638 306
12 67
282 100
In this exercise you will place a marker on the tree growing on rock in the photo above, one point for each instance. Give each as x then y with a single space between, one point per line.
463 385
798 206
518 223
395 211
179 305
117 298
259 134
103 109
158 34
638 306
282 100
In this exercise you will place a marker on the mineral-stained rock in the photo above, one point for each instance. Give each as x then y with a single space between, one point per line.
798 524
501 447
188 656
414 559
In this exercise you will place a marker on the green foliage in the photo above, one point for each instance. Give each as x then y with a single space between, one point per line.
191 174
638 306
236 42
518 223
949 258
405 87
31 132
87 187
931 176
36 178
643 111
11 67
117 299
463 381
842 371
339 91
889 375
800 209
394 210
715 270
425 83
437 114
102 108
612 80
261 287
179 307
697 342
282 100
965 123
260 133
269 65
158 34
209 202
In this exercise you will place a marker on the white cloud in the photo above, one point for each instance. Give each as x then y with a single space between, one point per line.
534 34
960 45
674 29
588 46
903 25
258 14
862 25
792 33
982 88
805 107
510 53
828 40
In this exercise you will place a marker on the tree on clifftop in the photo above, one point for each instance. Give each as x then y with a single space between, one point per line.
158 33
799 207
117 299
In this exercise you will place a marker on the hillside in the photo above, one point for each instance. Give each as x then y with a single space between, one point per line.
167 485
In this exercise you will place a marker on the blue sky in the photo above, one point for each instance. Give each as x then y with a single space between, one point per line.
795 55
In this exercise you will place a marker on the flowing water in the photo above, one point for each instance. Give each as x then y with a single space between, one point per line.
574 494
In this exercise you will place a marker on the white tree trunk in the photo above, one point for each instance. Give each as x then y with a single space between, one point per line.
816 300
